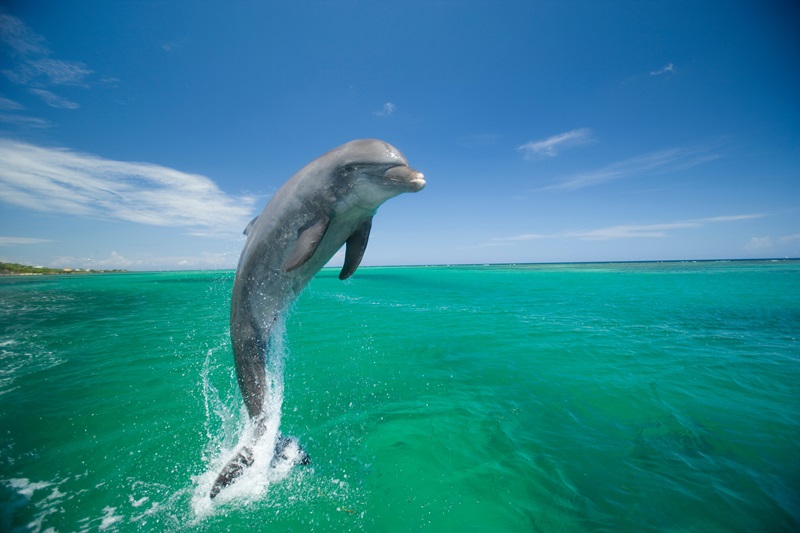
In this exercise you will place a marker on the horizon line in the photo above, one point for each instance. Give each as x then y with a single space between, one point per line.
435 265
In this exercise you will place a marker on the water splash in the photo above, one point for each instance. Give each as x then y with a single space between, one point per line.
230 429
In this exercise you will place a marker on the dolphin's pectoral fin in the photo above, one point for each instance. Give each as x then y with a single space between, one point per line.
249 226
307 241
356 246
233 470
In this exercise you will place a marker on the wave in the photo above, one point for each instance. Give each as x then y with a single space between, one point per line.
23 358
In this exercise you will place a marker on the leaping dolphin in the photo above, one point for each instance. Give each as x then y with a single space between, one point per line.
329 202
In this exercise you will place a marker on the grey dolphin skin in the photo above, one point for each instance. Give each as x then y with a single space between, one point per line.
329 203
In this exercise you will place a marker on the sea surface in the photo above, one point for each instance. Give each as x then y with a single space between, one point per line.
555 398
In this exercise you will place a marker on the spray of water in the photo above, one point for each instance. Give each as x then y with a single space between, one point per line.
229 429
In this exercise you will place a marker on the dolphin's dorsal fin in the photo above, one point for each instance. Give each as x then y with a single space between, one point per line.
356 246
308 239
250 226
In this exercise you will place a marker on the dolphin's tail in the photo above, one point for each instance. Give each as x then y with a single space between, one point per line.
233 470
244 459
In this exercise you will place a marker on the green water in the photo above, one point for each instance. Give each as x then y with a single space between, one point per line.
603 397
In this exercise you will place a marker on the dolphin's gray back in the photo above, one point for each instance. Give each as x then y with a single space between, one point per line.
263 290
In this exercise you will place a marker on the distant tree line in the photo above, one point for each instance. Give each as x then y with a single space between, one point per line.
11 269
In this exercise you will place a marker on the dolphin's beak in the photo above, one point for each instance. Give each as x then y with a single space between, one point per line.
406 177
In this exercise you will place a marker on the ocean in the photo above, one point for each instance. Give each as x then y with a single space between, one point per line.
555 398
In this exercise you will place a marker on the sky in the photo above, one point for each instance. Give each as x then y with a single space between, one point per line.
146 135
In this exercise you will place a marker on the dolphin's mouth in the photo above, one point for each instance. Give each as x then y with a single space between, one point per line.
405 177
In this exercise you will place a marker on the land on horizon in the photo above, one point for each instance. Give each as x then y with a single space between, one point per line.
16 269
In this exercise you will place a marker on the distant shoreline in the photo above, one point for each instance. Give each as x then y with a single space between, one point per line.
15 269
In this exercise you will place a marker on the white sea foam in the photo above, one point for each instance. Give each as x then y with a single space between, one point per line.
109 518
139 502
25 490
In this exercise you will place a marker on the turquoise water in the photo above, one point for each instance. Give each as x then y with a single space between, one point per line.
598 397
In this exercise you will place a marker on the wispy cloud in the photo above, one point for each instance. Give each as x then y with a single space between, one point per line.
10 105
46 72
731 218
53 100
14 241
669 68
205 260
19 38
62 181
23 120
387 109
175 45
10 114
758 244
672 160
114 260
551 146
32 65
629 231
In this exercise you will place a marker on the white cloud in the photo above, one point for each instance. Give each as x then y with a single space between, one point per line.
20 38
611 232
671 160
388 109
203 261
54 100
13 241
45 72
633 231
758 244
552 145
789 238
628 231
62 181
666 69
174 45
115 260
493 244
22 120
33 67
10 105
731 218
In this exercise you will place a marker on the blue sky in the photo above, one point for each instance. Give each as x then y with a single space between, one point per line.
145 135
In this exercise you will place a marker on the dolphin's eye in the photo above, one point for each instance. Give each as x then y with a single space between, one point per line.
352 168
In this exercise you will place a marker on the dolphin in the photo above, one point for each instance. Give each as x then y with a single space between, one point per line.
327 204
